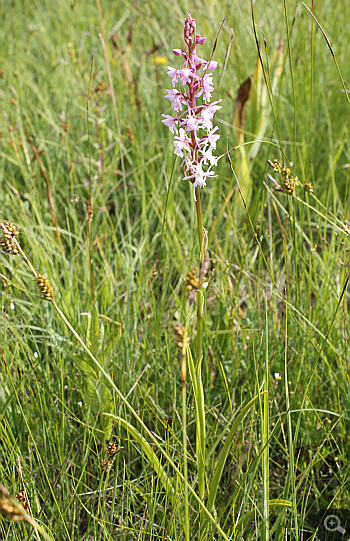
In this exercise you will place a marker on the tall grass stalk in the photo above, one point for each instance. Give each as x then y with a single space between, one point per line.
265 440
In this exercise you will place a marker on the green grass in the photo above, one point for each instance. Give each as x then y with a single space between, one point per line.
276 301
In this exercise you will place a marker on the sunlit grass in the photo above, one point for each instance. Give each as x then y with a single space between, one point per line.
287 262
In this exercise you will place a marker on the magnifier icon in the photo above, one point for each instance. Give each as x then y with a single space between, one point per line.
332 524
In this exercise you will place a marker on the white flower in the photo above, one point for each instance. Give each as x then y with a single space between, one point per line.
181 142
175 98
212 65
185 74
170 122
36 354
208 113
206 117
207 86
208 156
173 73
192 123
198 174
213 138
12 306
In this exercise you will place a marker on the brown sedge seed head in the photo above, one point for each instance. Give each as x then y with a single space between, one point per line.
106 465
113 449
45 287
12 230
288 185
308 187
9 245
277 167
23 500
182 340
192 280
9 508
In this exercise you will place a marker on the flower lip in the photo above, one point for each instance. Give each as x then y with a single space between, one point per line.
212 65
170 122
175 98
181 142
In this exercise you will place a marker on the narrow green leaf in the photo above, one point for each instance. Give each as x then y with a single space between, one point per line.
147 449
214 485
246 184
249 516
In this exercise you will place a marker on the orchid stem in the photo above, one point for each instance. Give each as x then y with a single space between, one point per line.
185 470
200 413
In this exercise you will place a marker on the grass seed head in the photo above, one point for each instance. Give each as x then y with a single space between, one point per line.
192 280
9 508
23 500
9 246
9 243
113 449
45 287
107 465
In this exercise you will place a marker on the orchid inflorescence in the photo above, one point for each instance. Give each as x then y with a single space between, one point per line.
186 126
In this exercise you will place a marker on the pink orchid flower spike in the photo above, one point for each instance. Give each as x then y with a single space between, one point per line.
195 138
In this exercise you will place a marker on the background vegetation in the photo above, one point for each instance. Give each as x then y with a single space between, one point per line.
276 310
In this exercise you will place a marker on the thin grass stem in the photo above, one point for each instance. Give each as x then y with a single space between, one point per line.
265 437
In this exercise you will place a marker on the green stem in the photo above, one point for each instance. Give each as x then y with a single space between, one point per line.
200 416
184 435
265 437
200 288
185 343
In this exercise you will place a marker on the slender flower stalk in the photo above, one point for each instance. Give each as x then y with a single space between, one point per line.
195 140
183 343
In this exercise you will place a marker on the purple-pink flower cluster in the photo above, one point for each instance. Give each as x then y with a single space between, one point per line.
195 138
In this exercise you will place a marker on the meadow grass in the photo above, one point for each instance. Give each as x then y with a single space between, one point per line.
94 188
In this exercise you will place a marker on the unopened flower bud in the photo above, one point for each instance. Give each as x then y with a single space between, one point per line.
189 30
